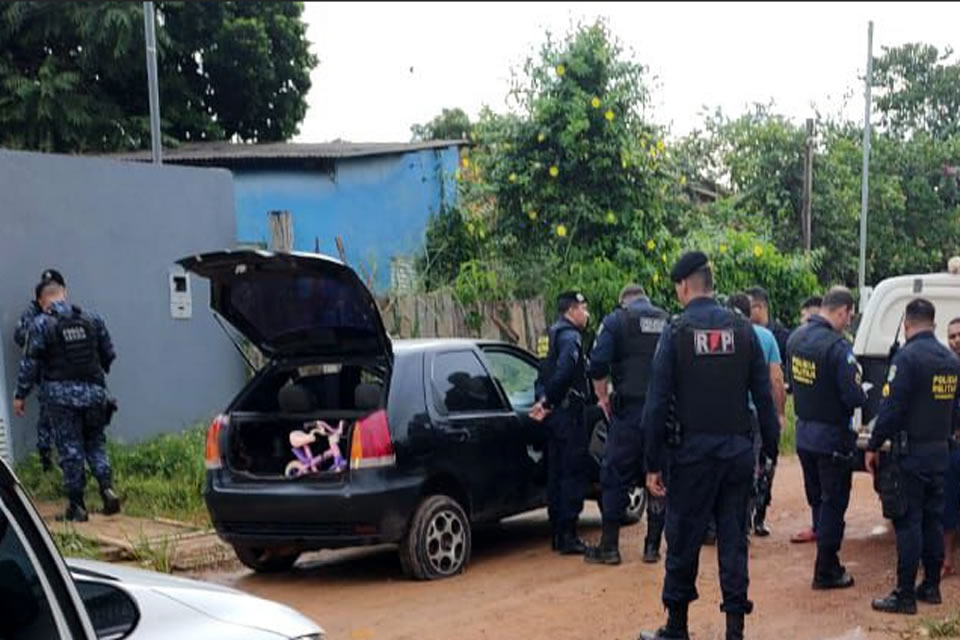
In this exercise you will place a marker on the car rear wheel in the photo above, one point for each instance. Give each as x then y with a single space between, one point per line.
636 505
438 540
265 559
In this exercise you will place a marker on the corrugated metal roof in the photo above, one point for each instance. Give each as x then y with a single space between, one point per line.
227 152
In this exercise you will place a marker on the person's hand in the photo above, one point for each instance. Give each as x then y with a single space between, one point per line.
655 485
872 461
605 405
538 413
783 423
19 407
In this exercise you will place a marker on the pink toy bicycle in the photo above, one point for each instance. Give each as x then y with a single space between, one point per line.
306 462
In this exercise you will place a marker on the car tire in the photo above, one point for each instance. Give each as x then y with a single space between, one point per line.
438 540
264 559
636 506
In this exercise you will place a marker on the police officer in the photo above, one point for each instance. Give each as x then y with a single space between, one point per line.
709 359
826 390
68 352
562 392
951 510
44 433
624 351
917 414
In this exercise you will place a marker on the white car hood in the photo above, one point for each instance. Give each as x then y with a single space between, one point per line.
218 602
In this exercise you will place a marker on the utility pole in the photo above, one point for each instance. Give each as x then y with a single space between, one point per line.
150 34
808 189
865 191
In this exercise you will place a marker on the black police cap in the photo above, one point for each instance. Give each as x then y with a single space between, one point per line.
687 264
571 297
52 275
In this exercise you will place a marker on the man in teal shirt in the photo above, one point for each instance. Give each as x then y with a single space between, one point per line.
771 355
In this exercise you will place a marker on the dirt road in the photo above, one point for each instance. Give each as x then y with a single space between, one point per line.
516 588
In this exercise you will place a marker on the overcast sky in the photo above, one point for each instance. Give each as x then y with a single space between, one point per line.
386 66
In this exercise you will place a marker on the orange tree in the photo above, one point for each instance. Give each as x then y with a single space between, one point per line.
575 187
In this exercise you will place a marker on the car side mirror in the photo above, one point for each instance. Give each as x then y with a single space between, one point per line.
112 610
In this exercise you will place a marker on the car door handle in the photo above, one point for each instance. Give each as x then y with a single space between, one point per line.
458 435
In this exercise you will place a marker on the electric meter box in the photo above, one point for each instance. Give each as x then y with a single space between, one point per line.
181 302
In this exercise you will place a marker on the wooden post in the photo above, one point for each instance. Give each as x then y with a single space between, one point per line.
808 189
281 231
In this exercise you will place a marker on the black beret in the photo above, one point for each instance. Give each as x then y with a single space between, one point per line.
571 297
52 275
687 264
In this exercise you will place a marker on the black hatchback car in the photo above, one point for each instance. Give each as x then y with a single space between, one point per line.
435 434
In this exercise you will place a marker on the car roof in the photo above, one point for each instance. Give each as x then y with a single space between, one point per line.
432 344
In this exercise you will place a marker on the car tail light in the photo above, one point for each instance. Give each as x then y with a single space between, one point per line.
371 445
212 453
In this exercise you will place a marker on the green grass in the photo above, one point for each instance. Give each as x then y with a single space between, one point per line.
788 437
156 556
161 477
74 545
948 627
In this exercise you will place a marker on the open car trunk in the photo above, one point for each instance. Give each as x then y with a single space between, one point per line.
293 398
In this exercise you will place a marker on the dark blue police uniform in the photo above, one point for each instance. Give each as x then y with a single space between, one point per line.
825 378
624 350
708 358
44 432
68 352
919 401
563 384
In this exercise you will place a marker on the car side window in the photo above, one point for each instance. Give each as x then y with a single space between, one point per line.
517 377
25 610
461 385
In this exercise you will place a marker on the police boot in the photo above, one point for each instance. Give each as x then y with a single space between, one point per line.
759 525
608 551
76 510
569 544
896 602
734 626
651 551
830 574
111 503
675 629
929 593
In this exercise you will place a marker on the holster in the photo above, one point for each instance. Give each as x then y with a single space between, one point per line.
888 483
98 416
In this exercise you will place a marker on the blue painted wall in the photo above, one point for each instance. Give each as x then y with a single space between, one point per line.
379 205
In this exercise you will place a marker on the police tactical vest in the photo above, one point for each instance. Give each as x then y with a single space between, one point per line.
72 349
713 374
934 384
549 364
637 340
813 380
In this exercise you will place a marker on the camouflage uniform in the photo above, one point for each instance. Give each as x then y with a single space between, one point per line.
66 400
44 432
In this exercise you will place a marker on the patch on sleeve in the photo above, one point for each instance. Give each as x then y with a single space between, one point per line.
714 342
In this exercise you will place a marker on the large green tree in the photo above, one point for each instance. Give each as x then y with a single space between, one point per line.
451 124
73 75
577 187
918 90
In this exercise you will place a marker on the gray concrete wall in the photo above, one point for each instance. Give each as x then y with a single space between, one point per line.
114 229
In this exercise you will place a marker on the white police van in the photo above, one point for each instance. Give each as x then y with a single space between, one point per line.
880 326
